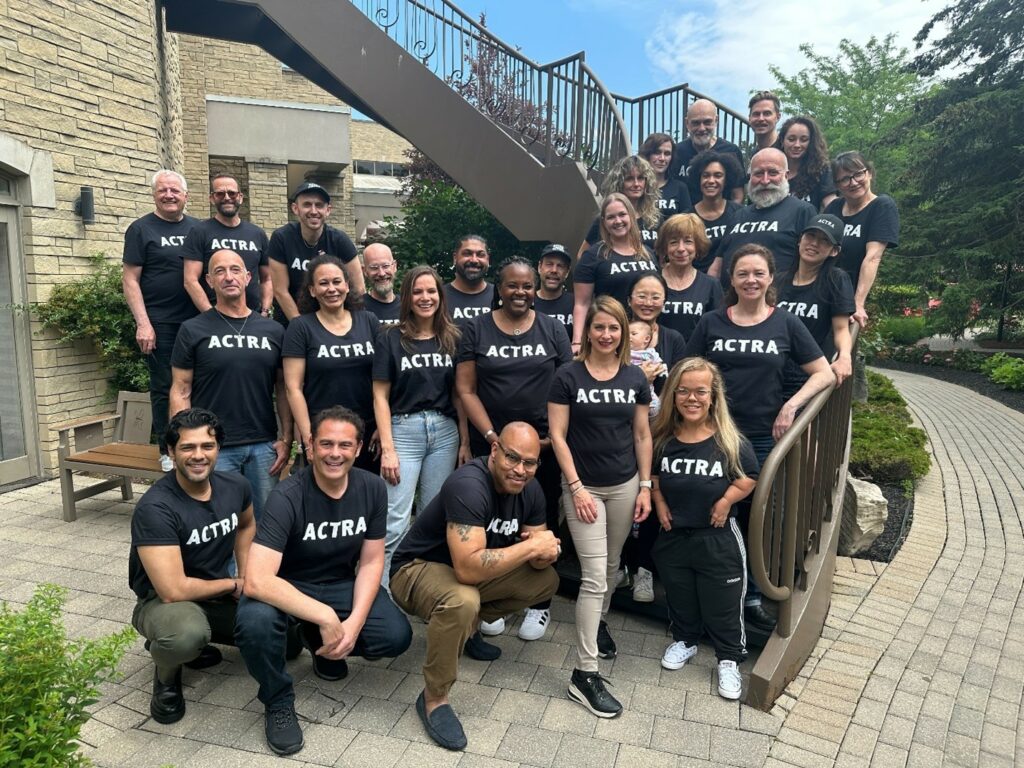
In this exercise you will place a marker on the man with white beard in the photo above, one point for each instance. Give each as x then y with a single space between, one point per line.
701 123
774 218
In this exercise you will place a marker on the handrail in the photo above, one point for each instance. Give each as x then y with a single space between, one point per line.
794 495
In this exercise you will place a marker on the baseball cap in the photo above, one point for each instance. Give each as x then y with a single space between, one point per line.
831 225
310 186
556 249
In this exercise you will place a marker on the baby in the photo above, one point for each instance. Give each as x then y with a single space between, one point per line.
641 352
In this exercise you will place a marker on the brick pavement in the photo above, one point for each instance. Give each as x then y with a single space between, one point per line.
920 662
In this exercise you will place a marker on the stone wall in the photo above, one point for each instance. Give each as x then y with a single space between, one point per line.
372 141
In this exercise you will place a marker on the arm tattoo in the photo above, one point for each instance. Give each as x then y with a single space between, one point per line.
462 529
490 558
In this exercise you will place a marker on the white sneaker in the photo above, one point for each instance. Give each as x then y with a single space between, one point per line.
535 624
643 586
730 684
621 578
677 654
492 628
166 465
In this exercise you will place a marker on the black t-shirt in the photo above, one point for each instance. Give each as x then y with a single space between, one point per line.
234 364
613 275
877 222
648 235
830 295
514 373
156 245
469 497
559 309
715 229
671 344
753 360
247 240
684 308
821 189
463 307
422 377
320 538
600 434
289 248
777 228
338 368
684 154
386 313
204 530
675 198
693 476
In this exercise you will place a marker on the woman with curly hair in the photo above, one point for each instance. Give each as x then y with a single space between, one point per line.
810 176
657 150
635 178
716 173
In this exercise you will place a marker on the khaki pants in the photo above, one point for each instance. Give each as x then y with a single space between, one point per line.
452 609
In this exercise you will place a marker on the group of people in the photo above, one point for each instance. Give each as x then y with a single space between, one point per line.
635 403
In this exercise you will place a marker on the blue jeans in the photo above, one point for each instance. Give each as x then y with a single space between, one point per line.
253 461
427 444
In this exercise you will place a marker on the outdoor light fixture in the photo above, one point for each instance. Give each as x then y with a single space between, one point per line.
85 206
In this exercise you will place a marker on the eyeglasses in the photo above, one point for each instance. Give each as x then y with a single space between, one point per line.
380 267
655 297
229 194
845 181
513 459
700 394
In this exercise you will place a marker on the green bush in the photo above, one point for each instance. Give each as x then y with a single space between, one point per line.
903 330
48 681
1006 371
893 300
958 359
885 448
94 309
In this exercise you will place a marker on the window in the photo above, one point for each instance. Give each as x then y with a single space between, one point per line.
379 168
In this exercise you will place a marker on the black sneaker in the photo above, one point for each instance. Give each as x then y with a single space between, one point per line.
605 645
478 648
330 670
588 689
284 735
168 703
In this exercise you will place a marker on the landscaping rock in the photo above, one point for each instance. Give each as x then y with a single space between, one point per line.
864 513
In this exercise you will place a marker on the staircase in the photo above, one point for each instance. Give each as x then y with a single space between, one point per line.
530 142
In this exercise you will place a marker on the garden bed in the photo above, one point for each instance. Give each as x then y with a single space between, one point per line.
897 525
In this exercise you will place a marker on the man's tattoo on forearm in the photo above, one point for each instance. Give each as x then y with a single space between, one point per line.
463 530
490 558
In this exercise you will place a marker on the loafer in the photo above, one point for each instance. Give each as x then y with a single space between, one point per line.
330 670
168 702
759 617
478 648
442 725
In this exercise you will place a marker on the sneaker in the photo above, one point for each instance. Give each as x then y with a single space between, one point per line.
677 654
166 465
605 645
492 628
587 688
621 579
643 586
535 624
478 648
730 684
284 735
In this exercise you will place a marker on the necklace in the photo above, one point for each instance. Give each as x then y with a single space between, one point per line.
228 322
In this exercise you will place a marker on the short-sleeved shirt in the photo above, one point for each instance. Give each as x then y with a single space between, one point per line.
468 497
247 240
715 230
234 364
421 374
320 538
693 476
675 198
877 222
753 360
684 154
614 275
463 307
777 228
166 516
559 309
514 373
821 189
648 234
684 308
829 296
157 245
288 247
339 369
600 433
386 312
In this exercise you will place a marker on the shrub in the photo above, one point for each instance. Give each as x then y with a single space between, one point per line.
885 448
903 330
94 309
48 681
894 299
1006 371
958 359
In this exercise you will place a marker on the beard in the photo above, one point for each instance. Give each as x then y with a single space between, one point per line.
702 142
767 195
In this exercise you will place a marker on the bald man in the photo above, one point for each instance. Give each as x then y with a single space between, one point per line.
228 360
702 124
479 550
379 268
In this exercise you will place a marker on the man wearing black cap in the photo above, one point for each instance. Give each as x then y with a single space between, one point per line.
553 299
294 244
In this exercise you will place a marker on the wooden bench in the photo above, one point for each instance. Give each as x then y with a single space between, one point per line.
82 447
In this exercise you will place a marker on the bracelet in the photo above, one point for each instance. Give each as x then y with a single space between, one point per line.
574 482
573 493
488 433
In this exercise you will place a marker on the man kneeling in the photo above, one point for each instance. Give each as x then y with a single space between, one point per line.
479 550
184 530
318 525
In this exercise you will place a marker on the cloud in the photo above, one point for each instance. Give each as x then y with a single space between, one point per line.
725 51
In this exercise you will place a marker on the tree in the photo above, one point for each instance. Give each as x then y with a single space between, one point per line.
989 33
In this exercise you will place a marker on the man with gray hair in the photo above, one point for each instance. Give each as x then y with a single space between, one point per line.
774 218
153 284
702 123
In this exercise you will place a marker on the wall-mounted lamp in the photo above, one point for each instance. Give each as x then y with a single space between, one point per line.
85 206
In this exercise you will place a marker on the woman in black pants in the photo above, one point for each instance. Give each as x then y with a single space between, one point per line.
702 466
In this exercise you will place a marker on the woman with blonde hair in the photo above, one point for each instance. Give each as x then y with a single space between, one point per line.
633 177
703 466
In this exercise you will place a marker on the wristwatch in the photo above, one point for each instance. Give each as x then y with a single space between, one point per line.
646 484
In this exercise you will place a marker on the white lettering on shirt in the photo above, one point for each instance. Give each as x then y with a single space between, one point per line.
851 230
683 308
169 241
359 349
464 313
507 351
748 227
334 529
237 341
300 264
754 346
716 231
503 527
213 530
598 396
700 467
800 309
426 360
618 267
231 244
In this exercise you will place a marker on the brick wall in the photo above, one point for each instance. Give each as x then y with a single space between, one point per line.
371 141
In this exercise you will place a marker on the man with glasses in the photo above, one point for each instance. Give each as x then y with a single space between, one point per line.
379 268
479 551
774 218
295 243
226 231
701 123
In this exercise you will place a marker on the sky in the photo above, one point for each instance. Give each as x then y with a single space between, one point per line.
721 47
